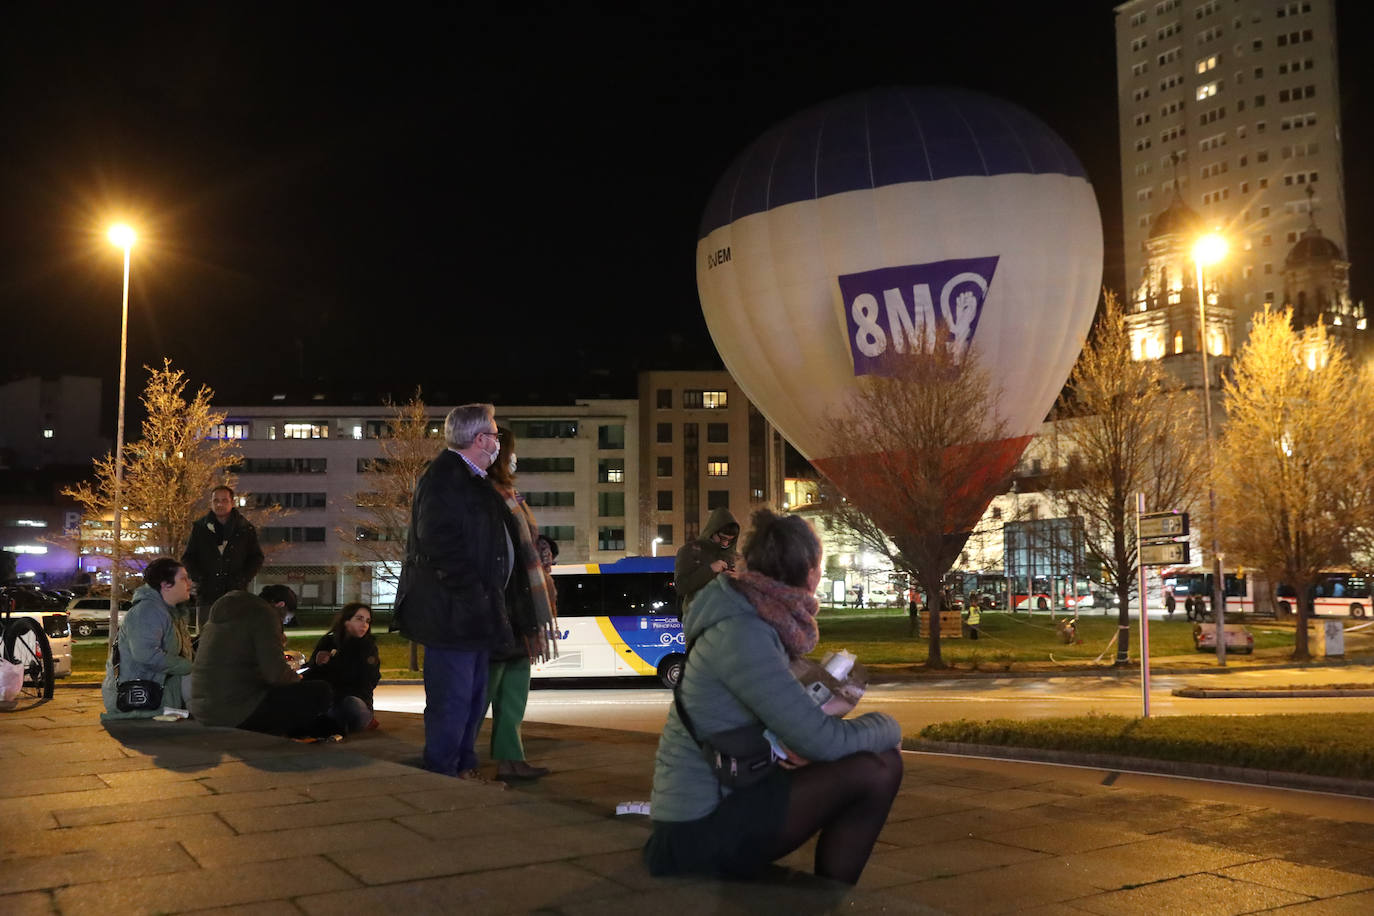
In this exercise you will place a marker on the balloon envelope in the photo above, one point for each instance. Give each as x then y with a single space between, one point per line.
881 223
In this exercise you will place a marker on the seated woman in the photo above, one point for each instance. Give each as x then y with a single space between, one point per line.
346 657
841 774
154 642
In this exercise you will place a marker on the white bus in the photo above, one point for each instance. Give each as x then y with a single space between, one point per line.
1337 593
617 620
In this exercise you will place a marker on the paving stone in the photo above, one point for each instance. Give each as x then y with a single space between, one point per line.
460 795
976 822
1347 905
1301 879
1054 838
167 807
102 797
1011 889
91 865
399 786
510 890
1011 799
110 836
254 777
626 868
1150 860
257 908
526 818
314 814
218 851
431 859
1195 895
206 888
31 903
953 857
16 768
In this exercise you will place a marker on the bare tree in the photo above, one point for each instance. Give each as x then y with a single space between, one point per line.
922 456
1122 428
167 474
374 535
1294 471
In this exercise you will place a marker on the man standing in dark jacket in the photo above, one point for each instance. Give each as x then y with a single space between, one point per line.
459 556
222 554
700 561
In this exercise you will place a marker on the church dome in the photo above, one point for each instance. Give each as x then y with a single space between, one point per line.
1313 248
1176 219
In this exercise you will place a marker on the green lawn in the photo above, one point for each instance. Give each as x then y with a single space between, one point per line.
1323 744
1009 638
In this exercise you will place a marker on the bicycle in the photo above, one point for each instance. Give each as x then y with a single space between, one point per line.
25 644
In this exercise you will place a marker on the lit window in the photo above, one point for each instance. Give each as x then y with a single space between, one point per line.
229 431
717 467
47 434
30 523
305 430
1178 341
714 400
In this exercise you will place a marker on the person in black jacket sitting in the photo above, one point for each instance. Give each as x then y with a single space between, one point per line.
346 656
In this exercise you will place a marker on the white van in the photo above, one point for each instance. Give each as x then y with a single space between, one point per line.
55 624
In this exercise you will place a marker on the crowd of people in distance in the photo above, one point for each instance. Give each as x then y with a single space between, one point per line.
476 591
235 671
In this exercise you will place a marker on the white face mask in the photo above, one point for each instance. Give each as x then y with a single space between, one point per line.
512 463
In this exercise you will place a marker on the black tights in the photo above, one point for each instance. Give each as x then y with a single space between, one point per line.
847 800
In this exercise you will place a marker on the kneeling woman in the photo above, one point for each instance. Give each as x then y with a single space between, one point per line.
842 774
346 657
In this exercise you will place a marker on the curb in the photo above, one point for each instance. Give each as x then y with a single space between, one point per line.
1256 693
1209 771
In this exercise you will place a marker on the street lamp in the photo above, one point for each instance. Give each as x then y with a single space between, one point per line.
654 545
123 237
1208 250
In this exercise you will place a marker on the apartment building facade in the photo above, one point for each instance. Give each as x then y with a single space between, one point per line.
1233 107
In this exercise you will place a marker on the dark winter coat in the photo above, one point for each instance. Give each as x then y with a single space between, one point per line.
692 571
239 656
354 668
219 571
458 561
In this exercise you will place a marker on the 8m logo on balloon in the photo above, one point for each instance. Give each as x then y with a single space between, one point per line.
897 306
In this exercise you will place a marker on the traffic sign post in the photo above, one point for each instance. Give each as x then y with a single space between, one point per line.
1155 535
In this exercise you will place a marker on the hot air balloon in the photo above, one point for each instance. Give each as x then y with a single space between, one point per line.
882 223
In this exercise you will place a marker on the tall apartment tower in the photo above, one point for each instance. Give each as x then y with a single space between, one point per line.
1232 108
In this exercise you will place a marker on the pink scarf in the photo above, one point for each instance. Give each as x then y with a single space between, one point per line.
789 610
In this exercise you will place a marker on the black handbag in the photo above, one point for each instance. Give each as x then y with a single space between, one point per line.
137 694
739 757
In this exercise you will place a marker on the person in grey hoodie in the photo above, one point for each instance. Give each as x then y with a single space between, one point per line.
154 642
840 775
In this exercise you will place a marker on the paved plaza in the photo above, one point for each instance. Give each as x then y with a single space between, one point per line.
149 817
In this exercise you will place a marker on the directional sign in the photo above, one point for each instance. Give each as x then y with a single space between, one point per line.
1164 524
1169 553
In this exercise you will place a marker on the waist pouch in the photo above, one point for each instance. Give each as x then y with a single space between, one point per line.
739 757
138 695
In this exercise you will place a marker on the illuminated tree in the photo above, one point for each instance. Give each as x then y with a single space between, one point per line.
1295 466
1122 428
920 477
168 474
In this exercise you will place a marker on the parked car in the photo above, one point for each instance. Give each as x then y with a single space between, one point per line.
1238 638
90 616
54 623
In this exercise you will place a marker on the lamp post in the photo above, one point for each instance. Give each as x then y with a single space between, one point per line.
1208 250
124 237
654 545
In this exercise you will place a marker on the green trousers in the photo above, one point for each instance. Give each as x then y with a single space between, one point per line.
508 690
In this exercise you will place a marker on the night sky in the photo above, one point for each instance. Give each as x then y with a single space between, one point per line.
337 197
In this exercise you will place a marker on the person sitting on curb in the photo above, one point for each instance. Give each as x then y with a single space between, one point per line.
241 679
347 659
154 643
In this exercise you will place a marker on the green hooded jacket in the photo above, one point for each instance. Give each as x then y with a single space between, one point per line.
737 674
692 570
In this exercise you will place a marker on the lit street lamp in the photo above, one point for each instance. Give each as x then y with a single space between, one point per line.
1208 250
123 237
654 545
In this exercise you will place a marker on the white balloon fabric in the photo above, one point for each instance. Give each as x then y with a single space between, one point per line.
878 223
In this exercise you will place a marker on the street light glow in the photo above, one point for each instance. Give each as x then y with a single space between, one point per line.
123 235
1209 249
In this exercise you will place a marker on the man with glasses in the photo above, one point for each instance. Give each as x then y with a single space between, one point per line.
700 561
459 556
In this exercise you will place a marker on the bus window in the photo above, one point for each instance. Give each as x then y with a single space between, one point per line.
645 593
579 596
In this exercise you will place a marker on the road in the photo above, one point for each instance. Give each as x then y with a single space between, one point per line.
635 707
